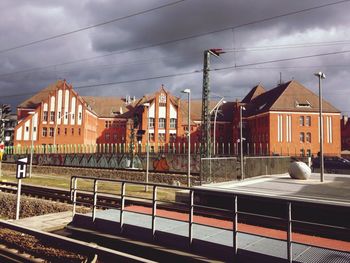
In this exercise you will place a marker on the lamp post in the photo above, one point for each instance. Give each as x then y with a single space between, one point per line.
32 144
241 108
320 76
216 108
147 105
188 91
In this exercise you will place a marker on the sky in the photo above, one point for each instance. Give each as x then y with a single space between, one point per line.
148 43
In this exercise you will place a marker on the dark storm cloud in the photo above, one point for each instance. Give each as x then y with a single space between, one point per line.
25 21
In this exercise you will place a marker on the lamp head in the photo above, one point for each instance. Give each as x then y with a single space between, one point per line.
320 75
186 91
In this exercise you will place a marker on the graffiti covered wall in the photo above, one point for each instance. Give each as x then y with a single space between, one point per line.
157 162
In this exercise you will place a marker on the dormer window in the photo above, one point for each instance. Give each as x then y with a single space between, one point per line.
305 104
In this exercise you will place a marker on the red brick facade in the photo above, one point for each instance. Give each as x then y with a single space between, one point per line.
285 121
345 133
281 121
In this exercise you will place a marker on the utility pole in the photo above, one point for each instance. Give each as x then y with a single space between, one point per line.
205 131
132 143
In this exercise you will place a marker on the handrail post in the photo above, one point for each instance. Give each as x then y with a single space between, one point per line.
95 201
122 206
190 218
74 194
289 233
235 226
154 211
71 188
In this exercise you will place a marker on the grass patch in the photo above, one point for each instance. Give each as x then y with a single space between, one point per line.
113 188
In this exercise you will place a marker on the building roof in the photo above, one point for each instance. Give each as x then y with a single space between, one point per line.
290 96
109 106
253 93
35 100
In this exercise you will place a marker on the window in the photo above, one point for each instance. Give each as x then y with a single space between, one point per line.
45 115
66 115
27 129
301 120
65 131
72 131
161 123
58 131
80 116
308 121
302 137
151 123
106 124
172 137
52 131
107 136
44 132
302 152
172 123
79 131
308 137
59 115
52 116
161 137
151 136
308 152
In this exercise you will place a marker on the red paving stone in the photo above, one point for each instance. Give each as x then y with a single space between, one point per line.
249 229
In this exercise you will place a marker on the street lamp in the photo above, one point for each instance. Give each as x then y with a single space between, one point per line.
32 143
241 109
320 76
188 91
216 108
147 105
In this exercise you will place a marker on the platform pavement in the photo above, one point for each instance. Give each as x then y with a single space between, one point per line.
335 187
48 222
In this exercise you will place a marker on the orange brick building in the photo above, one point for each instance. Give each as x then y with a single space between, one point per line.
57 115
345 133
282 121
285 121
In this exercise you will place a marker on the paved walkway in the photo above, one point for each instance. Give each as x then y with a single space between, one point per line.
48 222
335 187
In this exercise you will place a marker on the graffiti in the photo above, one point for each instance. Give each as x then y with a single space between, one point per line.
163 162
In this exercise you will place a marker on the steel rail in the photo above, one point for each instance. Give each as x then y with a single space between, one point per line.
87 249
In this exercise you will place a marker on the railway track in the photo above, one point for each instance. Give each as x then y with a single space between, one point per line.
61 245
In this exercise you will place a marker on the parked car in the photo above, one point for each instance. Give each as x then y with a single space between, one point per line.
332 163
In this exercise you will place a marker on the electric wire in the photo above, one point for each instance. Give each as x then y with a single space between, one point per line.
178 39
89 27
191 72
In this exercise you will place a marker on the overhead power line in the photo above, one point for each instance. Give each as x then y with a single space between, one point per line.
167 41
90 27
190 72
150 60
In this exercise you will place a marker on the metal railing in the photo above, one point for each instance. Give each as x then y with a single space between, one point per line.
286 220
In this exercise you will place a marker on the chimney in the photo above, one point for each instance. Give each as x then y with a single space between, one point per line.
121 110
345 119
